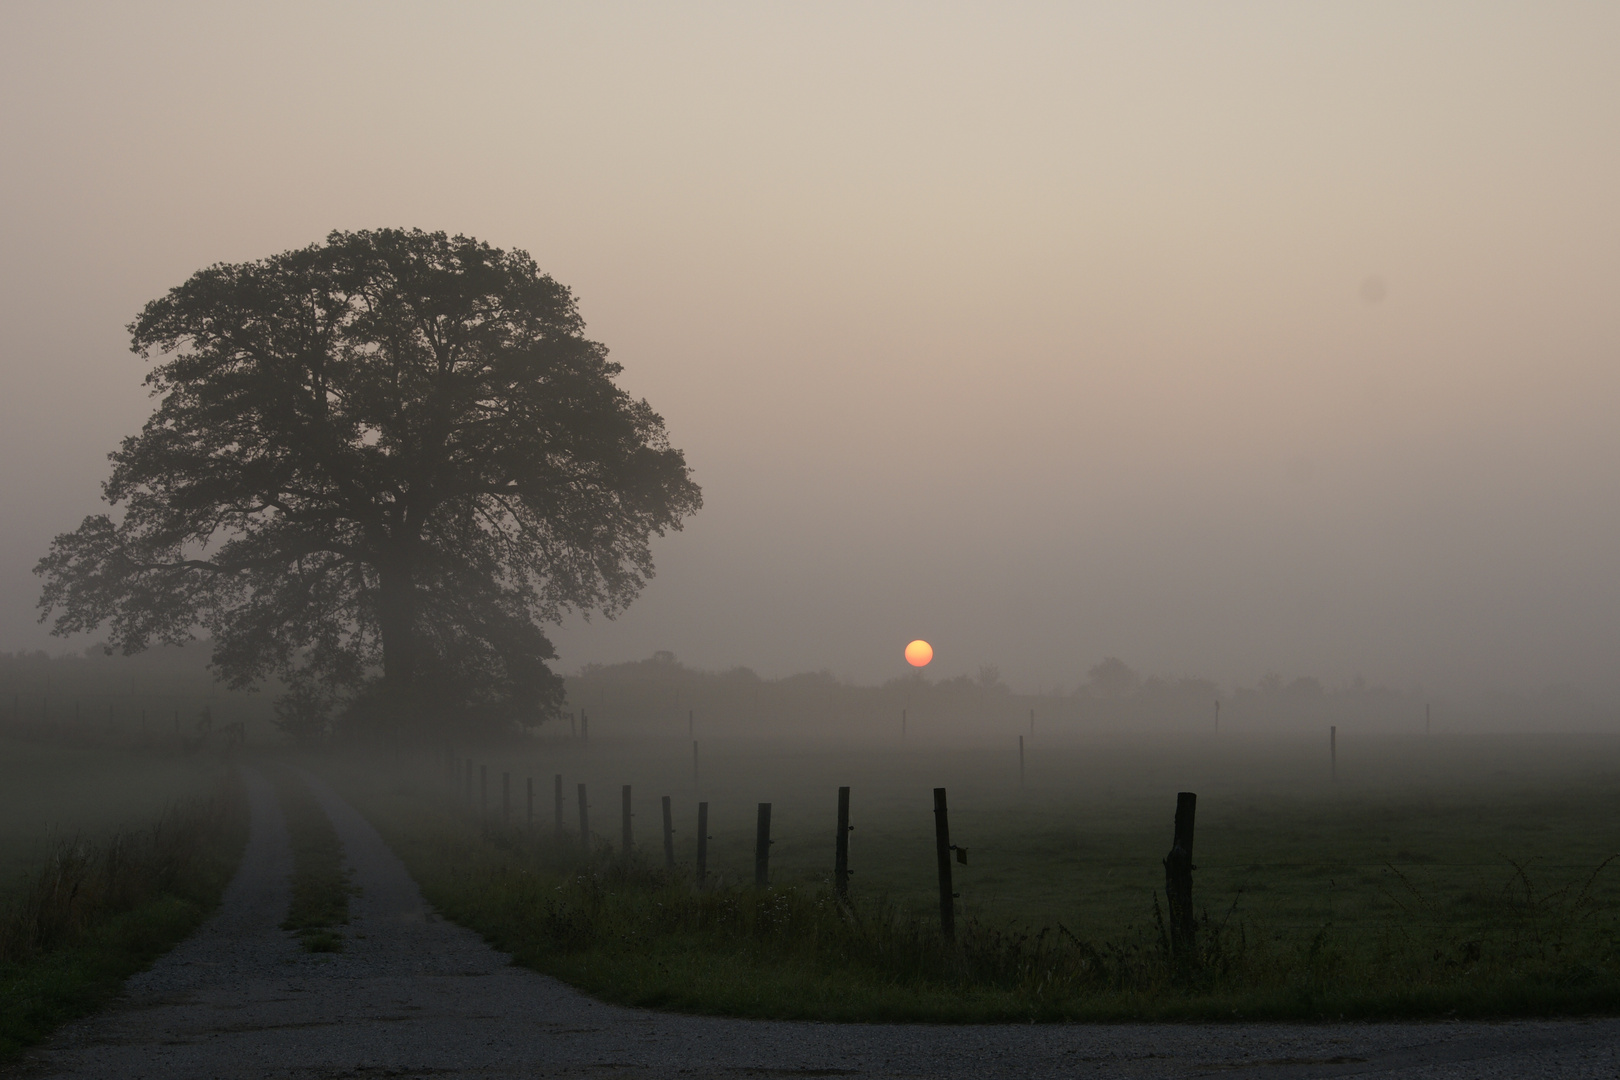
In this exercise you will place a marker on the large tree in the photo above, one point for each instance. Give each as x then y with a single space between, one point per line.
377 467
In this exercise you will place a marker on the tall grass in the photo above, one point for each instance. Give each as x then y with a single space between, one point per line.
94 912
631 932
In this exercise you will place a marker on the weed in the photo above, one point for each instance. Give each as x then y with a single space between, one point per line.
93 914
320 890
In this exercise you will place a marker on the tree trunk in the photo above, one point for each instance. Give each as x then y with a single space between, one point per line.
396 625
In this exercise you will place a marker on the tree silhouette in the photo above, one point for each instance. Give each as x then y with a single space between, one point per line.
377 467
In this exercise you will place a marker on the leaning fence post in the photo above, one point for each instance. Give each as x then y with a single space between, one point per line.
626 799
1178 868
584 821
669 837
703 844
942 849
841 848
762 847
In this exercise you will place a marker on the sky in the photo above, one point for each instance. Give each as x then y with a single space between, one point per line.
1223 339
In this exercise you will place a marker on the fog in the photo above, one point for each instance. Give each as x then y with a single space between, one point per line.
1260 340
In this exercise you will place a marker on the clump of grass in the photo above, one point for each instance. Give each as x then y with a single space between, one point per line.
94 913
319 902
639 935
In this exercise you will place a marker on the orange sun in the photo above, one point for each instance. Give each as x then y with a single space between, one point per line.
918 653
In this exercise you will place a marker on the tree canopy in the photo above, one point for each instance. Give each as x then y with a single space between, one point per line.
377 467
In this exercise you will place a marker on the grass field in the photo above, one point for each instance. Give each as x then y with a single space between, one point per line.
1080 841
1456 873
111 856
52 791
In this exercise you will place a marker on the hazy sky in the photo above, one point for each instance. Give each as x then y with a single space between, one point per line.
1221 338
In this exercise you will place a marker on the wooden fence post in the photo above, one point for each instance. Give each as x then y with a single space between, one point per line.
942 849
703 844
626 842
762 847
584 726
1178 868
841 848
669 837
584 821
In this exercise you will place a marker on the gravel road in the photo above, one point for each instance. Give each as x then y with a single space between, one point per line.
415 996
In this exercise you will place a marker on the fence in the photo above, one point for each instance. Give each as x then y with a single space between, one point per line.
948 855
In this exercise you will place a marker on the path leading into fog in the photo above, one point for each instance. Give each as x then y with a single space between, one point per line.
415 996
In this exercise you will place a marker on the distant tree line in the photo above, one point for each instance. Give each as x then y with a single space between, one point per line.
655 695
659 693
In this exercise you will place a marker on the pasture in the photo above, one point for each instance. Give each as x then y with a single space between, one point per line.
109 855
1080 841
56 790
1429 874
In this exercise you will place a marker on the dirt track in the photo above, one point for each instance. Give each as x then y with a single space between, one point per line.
414 996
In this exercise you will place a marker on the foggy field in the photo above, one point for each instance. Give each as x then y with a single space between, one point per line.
51 791
1461 873
109 855
1081 842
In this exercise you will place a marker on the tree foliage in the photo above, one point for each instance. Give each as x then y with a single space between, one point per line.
377 467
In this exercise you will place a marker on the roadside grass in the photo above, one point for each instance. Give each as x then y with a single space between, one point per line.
53 789
320 888
1492 939
98 910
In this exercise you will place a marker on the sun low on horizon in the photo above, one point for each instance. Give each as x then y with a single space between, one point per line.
919 653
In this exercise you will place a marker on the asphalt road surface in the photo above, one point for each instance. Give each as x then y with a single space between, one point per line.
415 996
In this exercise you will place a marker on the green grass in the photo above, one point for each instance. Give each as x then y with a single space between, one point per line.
1424 883
97 911
1080 842
50 791
319 902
